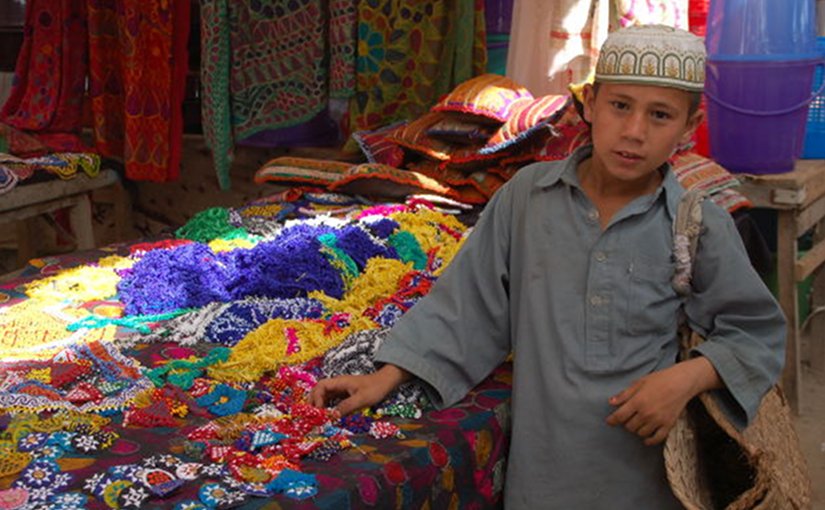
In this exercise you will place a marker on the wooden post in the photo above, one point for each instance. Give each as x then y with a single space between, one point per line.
786 253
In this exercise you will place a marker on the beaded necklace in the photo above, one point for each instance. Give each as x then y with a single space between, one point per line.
136 322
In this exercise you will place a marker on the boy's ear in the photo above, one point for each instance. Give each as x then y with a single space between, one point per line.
588 97
691 125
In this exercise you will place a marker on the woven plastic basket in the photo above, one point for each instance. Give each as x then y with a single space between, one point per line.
814 146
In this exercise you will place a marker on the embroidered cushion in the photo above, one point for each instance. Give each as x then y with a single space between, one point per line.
373 179
527 116
301 171
457 129
696 171
378 147
489 96
414 137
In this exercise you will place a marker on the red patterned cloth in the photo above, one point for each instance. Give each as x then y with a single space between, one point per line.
46 98
137 66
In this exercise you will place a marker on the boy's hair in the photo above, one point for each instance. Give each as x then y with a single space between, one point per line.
653 55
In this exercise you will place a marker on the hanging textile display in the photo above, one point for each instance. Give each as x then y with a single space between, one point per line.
137 73
554 44
410 54
46 98
270 65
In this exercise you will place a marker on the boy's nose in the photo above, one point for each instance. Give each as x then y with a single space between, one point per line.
635 126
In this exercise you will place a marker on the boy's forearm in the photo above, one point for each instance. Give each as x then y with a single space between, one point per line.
702 374
393 375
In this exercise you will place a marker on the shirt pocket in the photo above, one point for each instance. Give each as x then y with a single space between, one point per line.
652 302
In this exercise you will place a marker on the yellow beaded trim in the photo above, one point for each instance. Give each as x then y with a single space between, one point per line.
270 346
11 460
262 210
379 280
81 284
221 245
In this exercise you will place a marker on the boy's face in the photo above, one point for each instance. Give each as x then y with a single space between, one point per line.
636 128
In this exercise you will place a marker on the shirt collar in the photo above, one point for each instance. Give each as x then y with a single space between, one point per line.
670 186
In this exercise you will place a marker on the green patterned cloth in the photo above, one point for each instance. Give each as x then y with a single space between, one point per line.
271 64
412 52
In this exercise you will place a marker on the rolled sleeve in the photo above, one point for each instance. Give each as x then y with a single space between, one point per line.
457 334
742 323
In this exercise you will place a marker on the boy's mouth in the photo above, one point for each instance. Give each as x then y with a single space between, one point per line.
628 155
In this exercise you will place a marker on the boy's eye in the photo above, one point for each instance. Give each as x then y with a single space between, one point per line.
619 105
660 115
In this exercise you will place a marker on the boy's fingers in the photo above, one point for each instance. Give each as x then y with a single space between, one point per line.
658 437
349 405
620 416
324 389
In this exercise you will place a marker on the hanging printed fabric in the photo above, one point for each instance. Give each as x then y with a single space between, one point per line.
138 61
46 98
412 52
268 65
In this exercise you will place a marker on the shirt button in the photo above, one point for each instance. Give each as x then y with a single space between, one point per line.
595 300
593 215
600 256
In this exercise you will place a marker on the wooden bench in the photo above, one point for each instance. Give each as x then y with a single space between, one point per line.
25 202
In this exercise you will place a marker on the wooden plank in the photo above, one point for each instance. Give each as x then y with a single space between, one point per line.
80 219
809 216
815 333
810 262
801 187
38 208
760 196
26 243
25 195
786 253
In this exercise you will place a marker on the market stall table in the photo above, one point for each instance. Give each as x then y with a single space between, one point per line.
798 197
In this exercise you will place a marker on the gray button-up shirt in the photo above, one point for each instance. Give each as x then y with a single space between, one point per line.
585 312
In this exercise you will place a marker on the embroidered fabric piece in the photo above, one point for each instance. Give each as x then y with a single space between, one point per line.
108 364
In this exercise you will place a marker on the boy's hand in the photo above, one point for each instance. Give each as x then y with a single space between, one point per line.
651 405
357 391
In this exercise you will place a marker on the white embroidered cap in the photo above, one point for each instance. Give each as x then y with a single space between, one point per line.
653 55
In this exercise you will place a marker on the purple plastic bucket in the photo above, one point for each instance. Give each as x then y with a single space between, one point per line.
757 112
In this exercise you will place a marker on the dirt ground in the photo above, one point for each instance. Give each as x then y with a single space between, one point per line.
810 424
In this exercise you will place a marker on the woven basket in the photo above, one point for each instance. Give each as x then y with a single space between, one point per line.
711 464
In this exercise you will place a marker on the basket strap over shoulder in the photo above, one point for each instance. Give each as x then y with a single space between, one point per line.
687 225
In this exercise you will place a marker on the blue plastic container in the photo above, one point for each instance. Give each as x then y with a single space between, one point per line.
761 30
757 112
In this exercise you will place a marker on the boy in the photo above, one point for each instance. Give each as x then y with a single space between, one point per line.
569 268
